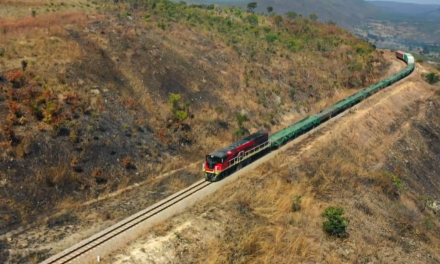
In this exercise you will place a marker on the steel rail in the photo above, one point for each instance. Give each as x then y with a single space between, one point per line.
96 240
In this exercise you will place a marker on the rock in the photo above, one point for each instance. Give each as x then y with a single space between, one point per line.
95 91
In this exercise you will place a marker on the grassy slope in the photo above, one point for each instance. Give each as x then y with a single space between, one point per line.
90 112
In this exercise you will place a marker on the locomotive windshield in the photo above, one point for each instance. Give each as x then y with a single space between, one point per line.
213 159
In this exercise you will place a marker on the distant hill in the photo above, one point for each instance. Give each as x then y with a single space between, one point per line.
431 16
404 8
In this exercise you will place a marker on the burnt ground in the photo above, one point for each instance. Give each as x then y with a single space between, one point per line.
97 136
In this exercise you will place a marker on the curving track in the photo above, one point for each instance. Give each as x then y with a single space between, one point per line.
106 241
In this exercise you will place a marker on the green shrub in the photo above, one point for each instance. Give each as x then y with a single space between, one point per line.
296 205
432 78
336 224
271 37
182 115
241 119
241 132
173 99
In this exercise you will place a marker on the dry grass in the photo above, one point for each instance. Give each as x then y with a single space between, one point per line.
340 172
373 163
24 8
11 26
102 80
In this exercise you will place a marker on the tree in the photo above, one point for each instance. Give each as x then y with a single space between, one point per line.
238 12
252 19
336 224
269 9
251 6
313 17
291 15
278 19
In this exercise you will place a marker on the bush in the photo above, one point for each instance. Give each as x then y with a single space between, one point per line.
241 132
296 205
241 119
182 115
336 224
432 78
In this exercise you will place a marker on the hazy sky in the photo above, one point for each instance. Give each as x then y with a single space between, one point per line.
437 2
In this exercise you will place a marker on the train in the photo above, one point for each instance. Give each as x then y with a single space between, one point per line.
222 162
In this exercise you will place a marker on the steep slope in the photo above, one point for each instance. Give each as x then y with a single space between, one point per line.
92 101
379 163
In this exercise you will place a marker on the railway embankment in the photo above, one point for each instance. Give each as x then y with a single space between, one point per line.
379 162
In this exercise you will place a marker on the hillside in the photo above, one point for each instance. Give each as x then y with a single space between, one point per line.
97 96
378 163
433 15
404 8
389 25
346 13
86 87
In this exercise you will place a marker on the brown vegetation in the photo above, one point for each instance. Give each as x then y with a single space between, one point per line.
85 98
377 163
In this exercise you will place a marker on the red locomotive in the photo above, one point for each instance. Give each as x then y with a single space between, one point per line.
231 158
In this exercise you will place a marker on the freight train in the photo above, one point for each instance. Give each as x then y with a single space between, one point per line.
227 160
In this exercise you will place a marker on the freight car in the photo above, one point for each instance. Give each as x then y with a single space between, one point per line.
222 162
400 54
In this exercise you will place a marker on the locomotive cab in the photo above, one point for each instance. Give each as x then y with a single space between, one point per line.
214 164
215 160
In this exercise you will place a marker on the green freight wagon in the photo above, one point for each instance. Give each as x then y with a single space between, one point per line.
408 58
293 131
340 106
326 113
372 89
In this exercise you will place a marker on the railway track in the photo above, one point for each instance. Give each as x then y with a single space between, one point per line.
81 252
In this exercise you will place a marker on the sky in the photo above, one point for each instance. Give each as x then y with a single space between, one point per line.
436 2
